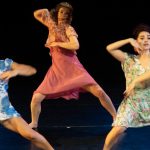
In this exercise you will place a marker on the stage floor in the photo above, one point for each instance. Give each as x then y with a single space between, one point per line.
71 125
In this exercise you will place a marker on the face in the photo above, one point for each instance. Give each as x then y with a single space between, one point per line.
63 13
143 40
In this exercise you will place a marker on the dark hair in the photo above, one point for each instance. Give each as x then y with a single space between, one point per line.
139 28
54 11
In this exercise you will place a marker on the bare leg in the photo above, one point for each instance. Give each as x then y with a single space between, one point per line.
113 136
36 109
104 99
18 125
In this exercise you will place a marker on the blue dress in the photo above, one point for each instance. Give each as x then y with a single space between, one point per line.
6 109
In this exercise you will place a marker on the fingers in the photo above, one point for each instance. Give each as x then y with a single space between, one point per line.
136 46
5 78
5 75
125 94
128 93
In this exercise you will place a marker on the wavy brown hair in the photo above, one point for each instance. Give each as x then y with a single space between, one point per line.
139 28
54 11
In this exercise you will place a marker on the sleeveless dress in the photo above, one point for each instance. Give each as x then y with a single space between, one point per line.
134 111
6 109
66 76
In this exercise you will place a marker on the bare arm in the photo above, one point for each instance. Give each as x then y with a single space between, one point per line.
114 50
43 16
18 69
138 82
71 45
143 77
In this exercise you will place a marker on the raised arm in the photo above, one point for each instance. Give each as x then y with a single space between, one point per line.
114 50
43 16
18 69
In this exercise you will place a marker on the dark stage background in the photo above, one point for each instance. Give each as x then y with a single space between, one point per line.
97 24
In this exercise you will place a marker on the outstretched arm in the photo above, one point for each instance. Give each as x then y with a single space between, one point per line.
18 69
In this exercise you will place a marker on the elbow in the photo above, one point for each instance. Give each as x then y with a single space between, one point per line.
108 48
35 14
76 46
33 71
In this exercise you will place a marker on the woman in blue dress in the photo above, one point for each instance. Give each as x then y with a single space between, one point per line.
9 117
134 110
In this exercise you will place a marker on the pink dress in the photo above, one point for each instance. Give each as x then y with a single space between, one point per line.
66 76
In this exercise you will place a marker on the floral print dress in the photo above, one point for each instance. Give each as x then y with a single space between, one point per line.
134 111
6 109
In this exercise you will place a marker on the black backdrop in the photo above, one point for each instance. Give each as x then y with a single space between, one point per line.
97 24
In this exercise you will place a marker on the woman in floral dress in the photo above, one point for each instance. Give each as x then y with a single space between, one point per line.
66 76
134 110
9 117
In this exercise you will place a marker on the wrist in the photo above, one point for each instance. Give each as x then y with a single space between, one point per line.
15 73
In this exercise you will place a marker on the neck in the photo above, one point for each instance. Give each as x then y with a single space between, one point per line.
60 22
145 54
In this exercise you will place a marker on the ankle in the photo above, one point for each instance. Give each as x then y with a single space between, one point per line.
33 125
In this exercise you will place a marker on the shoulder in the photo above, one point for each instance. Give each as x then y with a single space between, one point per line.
70 28
8 61
129 59
71 31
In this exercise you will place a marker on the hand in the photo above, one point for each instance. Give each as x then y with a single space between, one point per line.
8 74
130 90
136 46
52 44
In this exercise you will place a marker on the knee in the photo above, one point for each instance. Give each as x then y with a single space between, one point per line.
116 131
121 130
36 99
30 136
113 137
100 94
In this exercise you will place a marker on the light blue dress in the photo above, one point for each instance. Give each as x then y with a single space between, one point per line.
6 109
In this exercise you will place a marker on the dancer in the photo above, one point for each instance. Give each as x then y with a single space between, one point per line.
66 76
134 110
9 117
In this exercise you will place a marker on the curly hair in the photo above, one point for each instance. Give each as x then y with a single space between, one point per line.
139 28
54 11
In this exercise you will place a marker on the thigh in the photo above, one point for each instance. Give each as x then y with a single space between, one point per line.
116 131
17 124
9 124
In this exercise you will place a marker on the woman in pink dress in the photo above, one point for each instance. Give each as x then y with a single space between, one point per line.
66 76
